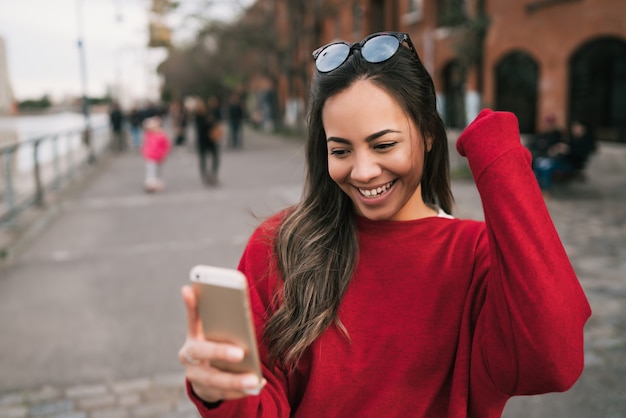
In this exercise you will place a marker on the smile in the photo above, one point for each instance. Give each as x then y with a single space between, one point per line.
379 191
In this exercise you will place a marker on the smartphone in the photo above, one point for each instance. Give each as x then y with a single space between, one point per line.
224 309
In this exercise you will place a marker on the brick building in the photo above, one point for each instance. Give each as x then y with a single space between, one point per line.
565 58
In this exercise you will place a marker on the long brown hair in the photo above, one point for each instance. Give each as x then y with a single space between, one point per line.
317 245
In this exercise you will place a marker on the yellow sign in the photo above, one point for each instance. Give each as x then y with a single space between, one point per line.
160 35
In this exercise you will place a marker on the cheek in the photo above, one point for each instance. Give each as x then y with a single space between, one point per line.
336 170
408 163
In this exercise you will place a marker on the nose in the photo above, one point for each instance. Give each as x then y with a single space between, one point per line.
365 167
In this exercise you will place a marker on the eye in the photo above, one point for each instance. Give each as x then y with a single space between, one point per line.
384 145
338 152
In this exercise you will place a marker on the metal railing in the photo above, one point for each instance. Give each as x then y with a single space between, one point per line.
32 168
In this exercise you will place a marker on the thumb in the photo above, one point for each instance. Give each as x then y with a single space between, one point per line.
194 325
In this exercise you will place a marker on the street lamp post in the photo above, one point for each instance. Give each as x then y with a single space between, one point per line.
83 73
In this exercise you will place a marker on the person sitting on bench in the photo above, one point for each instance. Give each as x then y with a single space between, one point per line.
565 159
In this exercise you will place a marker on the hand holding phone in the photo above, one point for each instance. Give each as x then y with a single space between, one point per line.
224 309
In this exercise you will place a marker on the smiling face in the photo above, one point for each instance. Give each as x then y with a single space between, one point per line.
375 153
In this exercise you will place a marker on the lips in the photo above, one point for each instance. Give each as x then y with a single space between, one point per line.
376 192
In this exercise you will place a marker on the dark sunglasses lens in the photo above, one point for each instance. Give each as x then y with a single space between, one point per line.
380 48
332 57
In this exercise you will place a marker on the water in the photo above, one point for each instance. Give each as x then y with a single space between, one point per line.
30 126
22 128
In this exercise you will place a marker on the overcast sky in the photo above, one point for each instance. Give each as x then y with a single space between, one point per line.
43 57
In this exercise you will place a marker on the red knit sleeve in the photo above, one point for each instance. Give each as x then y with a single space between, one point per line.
529 335
256 264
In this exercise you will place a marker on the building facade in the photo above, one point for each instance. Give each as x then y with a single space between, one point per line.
537 58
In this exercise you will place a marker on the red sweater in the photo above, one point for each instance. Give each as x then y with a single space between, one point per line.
447 318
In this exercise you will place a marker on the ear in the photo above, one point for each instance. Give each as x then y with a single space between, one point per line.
429 144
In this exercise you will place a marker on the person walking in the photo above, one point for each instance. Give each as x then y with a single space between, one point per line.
135 119
178 115
236 115
369 298
116 121
208 124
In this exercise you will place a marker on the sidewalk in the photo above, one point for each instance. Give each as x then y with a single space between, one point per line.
156 396
92 318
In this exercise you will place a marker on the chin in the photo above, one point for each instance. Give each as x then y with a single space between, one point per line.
375 215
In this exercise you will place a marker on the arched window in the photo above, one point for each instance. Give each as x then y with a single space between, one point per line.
454 76
597 88
516 88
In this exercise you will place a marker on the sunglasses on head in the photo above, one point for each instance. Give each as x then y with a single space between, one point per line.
376 48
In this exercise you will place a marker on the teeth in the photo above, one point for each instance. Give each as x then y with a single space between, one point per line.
376 192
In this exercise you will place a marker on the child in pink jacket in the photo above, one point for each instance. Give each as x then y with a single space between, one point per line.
155 148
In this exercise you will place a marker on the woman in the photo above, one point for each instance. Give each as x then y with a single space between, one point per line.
369 299
207 117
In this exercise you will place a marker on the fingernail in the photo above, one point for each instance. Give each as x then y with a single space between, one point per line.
250 381
235 353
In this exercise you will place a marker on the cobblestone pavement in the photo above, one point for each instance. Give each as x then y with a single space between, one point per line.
158 396
591 219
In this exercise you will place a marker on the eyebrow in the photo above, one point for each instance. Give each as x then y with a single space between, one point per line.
369 138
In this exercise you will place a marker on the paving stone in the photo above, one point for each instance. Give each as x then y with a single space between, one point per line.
15 398
592 359
83 391
166 395
71 415
111 413
185 405
96 402
175 380
129 399
52 408
13 411
44 393
152 409
131 386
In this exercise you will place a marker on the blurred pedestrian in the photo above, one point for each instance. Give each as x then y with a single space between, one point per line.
582 145
369 298
566 158
116 121
236 114
135 119
151 109
541 142
156 146
208 121
178 115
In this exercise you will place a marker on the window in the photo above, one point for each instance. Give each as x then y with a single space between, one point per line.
414 11
357 19
451 12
